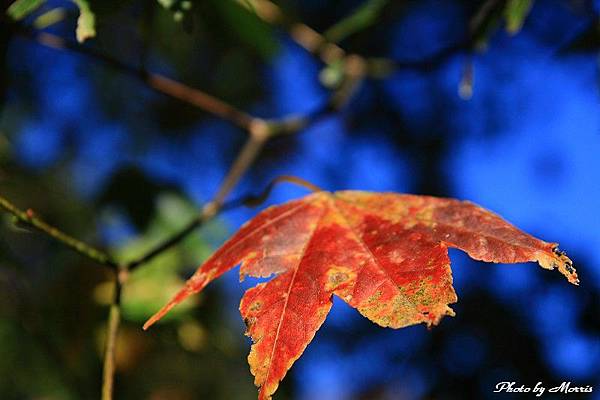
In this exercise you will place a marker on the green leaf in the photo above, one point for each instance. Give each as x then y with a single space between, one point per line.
22 8
248 26
48 18
361 18
86 23
166 3
515 13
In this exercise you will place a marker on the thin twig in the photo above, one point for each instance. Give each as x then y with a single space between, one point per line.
250 200
356 68
330 52
167 244
318 44
245 158
260 134
257 199
199 99
112 330
311 40
360 18
260 131
28 218
156 81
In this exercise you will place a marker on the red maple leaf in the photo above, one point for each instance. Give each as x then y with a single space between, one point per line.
384 254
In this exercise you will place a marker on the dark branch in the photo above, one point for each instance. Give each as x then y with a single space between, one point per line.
158 82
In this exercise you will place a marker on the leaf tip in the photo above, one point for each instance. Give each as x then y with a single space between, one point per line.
265 393
155 318
193 285
558 259
434 318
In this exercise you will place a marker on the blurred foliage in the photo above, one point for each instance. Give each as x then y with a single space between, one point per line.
49 18
150 287
86 23
365 15
22 8
249 28
515 13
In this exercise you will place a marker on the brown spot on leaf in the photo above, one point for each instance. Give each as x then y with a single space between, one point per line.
338 278
249 321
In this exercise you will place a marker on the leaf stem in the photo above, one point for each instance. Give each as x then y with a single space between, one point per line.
294 179
255 200
260 134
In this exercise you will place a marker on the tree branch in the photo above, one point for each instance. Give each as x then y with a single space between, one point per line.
354 68
260 131
311 40
112 330
330 52
28 218
158 82
243 161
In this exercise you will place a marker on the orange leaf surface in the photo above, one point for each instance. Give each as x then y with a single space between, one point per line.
384 254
